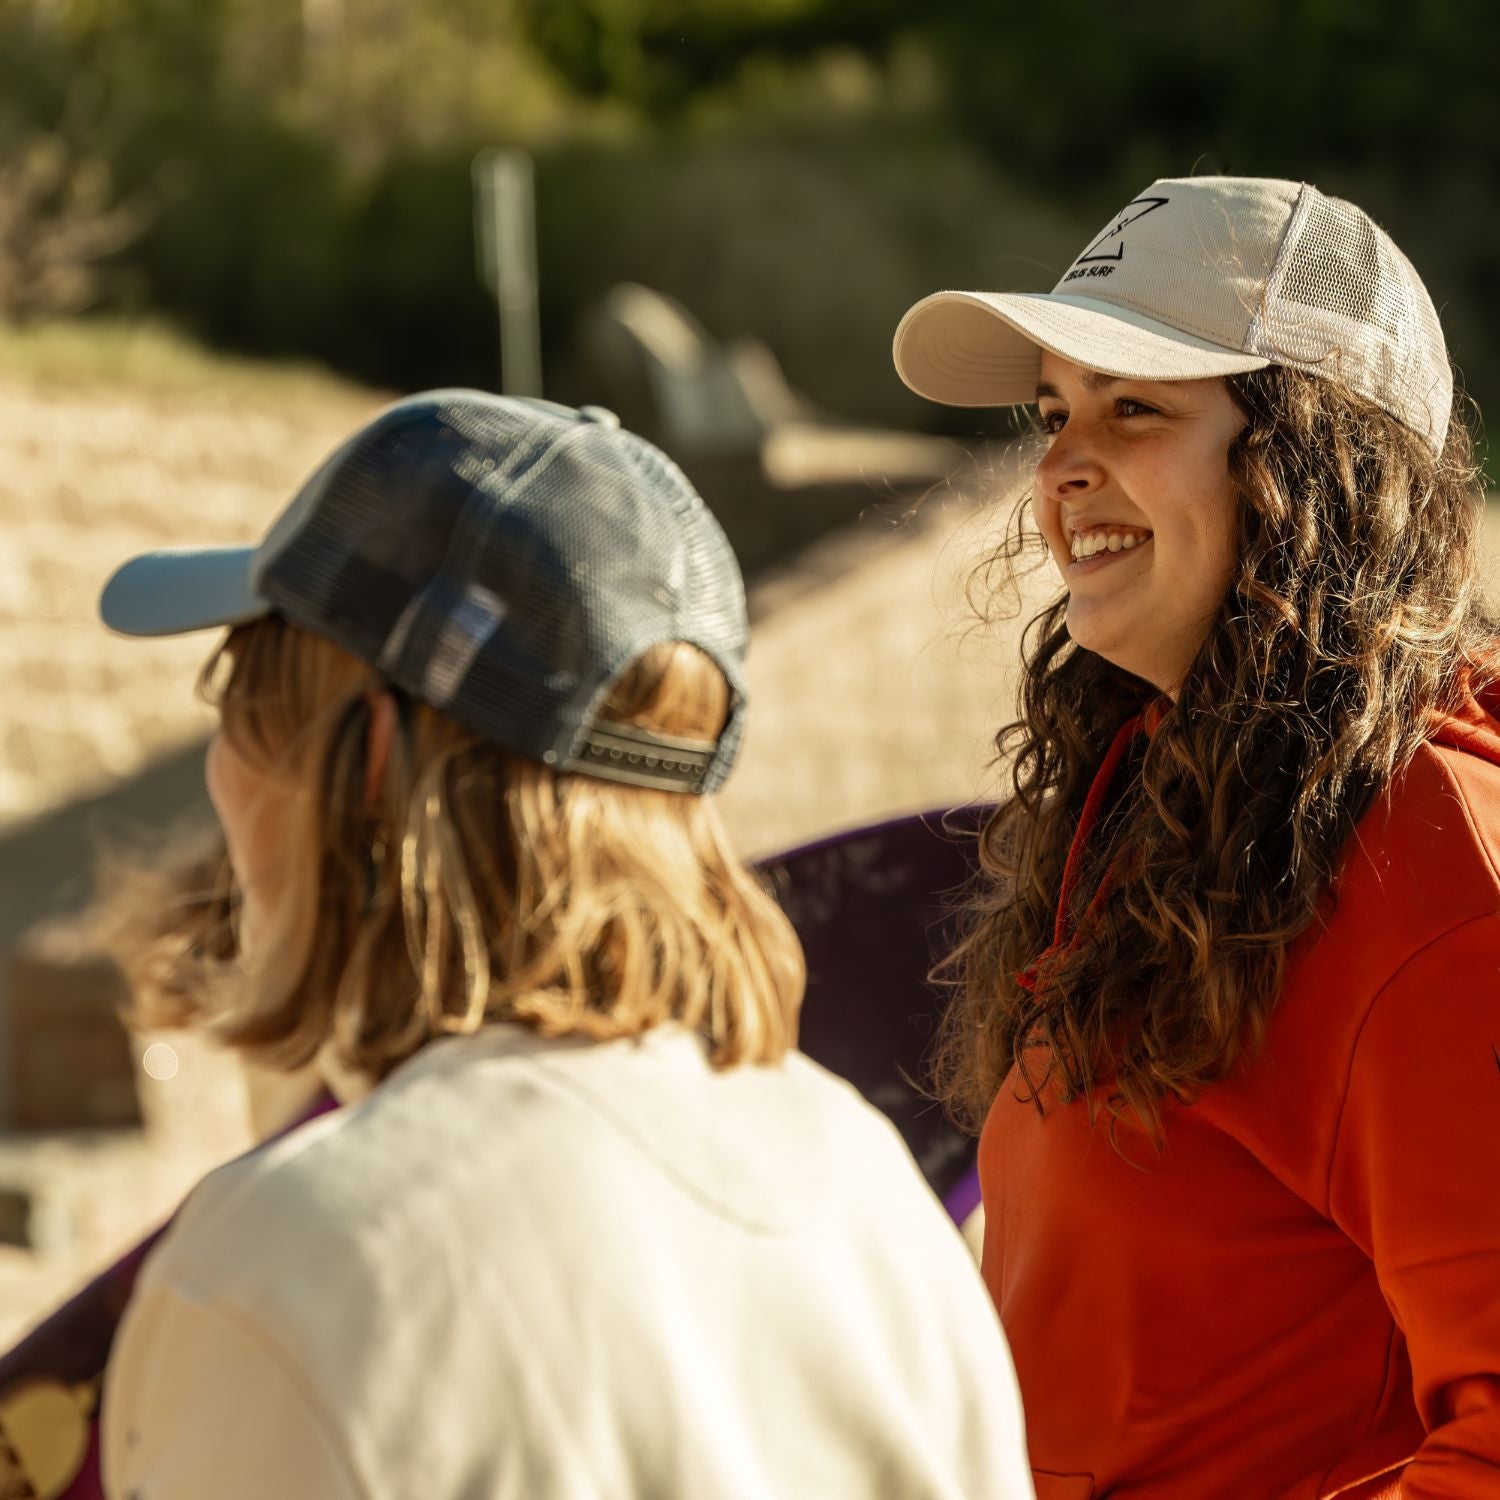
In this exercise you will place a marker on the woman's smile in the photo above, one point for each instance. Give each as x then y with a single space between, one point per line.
1103 544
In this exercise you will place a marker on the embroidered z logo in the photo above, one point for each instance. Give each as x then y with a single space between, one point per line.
1141 207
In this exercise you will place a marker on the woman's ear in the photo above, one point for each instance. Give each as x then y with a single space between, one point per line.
378 745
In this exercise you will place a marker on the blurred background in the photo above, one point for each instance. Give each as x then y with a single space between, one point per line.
291 178
231 229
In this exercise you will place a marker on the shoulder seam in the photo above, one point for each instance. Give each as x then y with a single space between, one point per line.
1456 786
222 1191
1391 978
221 1311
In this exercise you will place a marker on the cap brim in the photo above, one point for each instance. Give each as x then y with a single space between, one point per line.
985 348
180 591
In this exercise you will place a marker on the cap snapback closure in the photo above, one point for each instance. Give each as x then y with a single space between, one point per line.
618 752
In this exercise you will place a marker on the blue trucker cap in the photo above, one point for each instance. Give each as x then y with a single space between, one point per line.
503 559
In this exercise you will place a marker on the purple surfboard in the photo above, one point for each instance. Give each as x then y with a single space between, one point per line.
873 909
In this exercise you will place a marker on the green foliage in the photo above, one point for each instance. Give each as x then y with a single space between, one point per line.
250 239
798 169
659 55
815 242
412 310
58 221
1243 86
1385 103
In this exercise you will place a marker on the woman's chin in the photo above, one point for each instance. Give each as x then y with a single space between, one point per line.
1119 647
1097 630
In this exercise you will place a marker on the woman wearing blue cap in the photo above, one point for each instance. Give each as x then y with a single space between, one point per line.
588 1224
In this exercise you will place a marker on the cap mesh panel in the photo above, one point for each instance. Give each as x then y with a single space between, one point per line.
1346 303
503 560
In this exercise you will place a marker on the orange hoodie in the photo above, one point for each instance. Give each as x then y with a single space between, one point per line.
1300 1297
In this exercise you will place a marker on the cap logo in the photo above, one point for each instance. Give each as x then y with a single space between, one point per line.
1096 260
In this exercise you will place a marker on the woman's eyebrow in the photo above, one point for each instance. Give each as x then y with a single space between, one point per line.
1094 380
1091 380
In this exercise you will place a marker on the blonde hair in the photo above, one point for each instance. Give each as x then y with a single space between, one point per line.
476 885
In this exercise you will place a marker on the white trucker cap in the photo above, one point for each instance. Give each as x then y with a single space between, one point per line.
1197 277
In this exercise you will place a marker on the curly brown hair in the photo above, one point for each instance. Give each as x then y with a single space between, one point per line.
1354 616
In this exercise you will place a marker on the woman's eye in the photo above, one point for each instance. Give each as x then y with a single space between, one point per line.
1052 421
1125 407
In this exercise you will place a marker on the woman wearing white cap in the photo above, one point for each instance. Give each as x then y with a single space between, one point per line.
588 1226
1230 1004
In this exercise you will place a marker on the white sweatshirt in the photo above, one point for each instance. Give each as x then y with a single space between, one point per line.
567 1271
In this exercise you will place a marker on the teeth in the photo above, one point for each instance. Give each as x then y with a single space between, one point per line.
1086 544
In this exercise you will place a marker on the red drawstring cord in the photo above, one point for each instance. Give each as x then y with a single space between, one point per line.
1088 819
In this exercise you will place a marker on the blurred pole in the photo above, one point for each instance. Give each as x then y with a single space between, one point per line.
505 237
323 25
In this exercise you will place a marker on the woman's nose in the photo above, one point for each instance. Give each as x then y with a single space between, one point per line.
1070 467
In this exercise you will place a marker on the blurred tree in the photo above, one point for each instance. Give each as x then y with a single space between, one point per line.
381 76
59 220
1381 101
285 138
1339 82
657 55
1390 104
61 215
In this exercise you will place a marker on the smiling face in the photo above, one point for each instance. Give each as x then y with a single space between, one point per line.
1137 508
